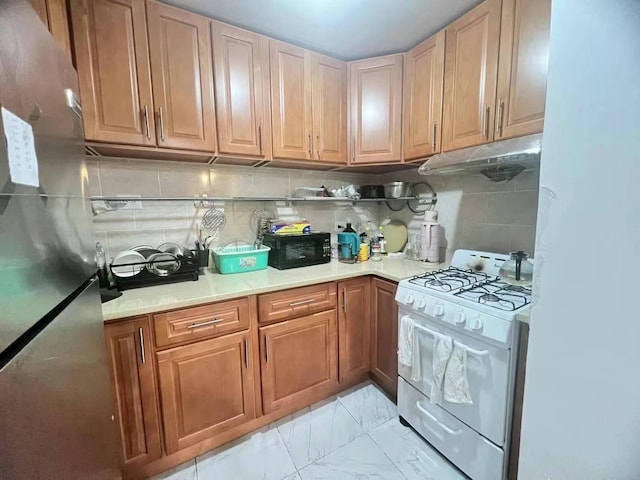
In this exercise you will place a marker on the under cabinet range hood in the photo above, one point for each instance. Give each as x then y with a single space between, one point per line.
499 161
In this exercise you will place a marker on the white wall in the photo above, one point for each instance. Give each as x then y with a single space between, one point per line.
582 394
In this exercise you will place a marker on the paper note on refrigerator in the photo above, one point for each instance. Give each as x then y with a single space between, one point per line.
21 149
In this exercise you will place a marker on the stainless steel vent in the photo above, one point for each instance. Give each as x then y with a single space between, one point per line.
498 161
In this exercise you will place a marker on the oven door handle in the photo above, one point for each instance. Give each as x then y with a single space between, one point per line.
434 419
479 353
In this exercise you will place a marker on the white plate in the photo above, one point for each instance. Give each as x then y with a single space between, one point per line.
124 257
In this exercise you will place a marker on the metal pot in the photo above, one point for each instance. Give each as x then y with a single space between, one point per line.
371 191
163 264
396 189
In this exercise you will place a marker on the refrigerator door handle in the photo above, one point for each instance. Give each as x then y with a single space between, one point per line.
72 102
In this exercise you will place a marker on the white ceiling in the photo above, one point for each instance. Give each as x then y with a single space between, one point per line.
347 29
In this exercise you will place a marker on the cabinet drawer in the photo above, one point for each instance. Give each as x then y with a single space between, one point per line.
296 302
205 321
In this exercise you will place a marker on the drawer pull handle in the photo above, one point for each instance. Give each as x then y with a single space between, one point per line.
202 324
246 354
301 302
344 300
143 358
442 425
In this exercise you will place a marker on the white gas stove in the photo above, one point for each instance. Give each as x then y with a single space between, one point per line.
468 303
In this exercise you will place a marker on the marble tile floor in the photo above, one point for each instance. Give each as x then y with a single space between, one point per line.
354 435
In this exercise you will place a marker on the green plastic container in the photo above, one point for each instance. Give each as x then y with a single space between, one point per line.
239 259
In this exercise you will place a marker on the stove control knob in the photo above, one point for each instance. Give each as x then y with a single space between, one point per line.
476 324
410 299
438 310
422 303
460 319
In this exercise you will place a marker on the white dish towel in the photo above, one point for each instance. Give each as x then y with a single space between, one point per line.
409 347
442 348
456 384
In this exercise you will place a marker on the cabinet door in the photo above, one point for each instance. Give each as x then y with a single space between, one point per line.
181 65
354 325
423 82
522 73
384 334
132 369
329 109
112 58
241 67
376 110
206 388
291 101
298 360
53 14
470 73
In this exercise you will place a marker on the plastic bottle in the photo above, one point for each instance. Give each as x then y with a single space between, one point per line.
101 262
382 241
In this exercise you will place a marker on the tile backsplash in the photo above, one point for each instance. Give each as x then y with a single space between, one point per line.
474 212
478 214
153 223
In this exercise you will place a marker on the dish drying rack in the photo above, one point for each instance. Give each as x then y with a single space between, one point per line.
189 271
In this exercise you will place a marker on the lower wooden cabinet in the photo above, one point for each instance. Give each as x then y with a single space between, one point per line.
206 388
132 368
354 325
384 334
299 359
205 392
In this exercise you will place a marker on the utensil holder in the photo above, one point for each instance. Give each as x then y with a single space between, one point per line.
203 257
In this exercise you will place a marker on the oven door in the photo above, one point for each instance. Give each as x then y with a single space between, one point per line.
488 374
297 252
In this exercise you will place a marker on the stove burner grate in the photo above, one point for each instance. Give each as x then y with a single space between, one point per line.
450 279
498 294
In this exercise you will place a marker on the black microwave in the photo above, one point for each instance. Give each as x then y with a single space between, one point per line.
291 251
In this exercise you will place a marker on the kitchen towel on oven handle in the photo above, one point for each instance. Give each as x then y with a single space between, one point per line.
409 347
442 348
449 365
456 383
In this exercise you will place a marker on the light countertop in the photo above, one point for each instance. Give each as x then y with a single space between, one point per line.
213 287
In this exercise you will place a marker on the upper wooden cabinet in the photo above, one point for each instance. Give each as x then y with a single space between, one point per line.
182 73
299 360
376 109
291 101
53 14
308 97
329 88
206 388
522 71
241 71
112 57
132 368
471 67
354 325
384 334
423 83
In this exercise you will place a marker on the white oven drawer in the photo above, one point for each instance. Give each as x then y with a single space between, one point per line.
488 374
464 447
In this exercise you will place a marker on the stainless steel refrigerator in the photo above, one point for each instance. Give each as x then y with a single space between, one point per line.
56 404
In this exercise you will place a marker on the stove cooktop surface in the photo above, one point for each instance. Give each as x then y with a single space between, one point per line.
473 278
498 294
